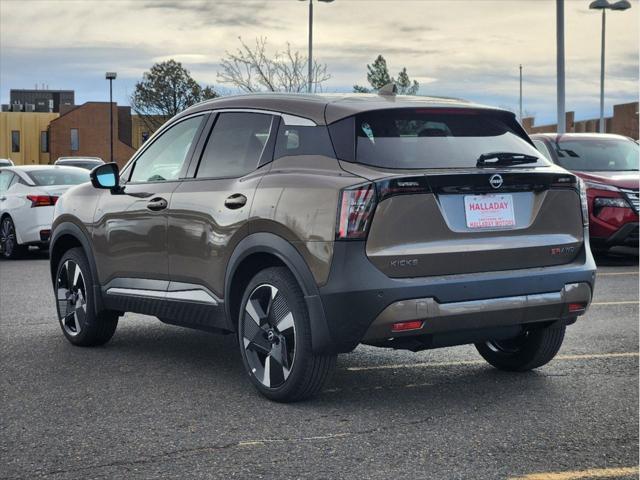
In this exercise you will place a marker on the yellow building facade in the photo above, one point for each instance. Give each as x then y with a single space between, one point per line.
24 137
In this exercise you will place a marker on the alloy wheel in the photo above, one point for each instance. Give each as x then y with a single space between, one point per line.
269 336
7 237
72 298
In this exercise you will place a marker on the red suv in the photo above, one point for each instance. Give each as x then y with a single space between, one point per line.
608 164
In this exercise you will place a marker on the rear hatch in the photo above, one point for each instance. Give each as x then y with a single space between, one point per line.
443 209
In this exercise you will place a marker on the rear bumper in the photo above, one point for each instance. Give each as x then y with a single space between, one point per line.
360 303
478 314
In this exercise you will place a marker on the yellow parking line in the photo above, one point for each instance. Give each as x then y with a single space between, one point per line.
587 356
580 474
622 302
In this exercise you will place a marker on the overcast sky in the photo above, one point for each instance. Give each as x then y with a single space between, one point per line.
461 48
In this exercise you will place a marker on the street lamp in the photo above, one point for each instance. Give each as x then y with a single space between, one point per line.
604 5
562 120
310 79
111 76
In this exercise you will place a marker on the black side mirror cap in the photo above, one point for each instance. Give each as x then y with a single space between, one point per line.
106 176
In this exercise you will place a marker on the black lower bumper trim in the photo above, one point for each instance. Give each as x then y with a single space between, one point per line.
357 292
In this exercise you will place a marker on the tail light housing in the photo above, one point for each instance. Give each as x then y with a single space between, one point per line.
42 200
355 212
584 202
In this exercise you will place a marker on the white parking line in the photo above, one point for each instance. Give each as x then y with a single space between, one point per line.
589 356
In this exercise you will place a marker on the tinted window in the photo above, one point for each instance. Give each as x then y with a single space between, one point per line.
235 145
15 141
164 158
5 179
44 142
597 154
58 176
295 140
75 139
428 138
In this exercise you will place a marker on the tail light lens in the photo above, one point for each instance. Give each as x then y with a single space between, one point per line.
584 203
42 200
355 212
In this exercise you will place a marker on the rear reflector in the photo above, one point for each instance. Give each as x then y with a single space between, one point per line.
42 200
577 307
404 326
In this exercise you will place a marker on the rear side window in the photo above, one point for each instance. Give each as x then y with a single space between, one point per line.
235 145
427 138
298 140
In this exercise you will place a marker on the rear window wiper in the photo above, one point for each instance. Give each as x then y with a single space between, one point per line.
504 158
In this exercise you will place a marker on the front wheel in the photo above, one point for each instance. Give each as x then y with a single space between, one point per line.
532 349
75 300
275 339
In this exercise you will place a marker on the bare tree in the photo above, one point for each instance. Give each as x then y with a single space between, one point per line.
253 69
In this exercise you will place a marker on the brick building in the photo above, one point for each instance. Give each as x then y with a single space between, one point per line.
84 131
623 122
35 100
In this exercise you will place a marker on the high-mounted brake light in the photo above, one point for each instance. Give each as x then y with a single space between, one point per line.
355 212
42 200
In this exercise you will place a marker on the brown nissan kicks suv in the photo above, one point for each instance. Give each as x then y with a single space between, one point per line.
308 224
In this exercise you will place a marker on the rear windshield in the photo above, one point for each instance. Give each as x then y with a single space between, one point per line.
428 138
54 176
603 155
87 165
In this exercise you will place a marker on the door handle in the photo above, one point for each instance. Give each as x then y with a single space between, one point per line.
237 200
156 204
2 198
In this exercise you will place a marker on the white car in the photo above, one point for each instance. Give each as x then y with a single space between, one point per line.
27 197
88 163
6 162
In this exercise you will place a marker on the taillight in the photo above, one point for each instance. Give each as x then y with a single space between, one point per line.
584 202
42 200
355 212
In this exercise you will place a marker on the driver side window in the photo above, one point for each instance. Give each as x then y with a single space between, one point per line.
163 160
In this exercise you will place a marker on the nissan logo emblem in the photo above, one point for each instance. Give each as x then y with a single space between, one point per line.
496 181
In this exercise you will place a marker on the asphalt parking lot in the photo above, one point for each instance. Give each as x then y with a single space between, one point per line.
164 402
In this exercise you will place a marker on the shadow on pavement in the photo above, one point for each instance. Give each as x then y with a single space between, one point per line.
617 257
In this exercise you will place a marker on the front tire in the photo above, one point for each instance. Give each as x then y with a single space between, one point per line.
274 334
75 303
532 349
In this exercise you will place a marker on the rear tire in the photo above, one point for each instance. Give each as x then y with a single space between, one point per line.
532 349
75 303
274 334
9 247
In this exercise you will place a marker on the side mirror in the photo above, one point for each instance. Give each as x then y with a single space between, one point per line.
105 176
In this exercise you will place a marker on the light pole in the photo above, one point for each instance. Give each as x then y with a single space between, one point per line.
520 93
310 78
604 5
111 76
562 121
